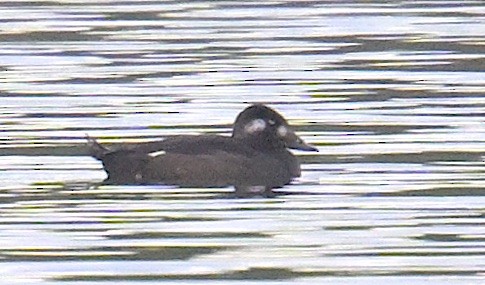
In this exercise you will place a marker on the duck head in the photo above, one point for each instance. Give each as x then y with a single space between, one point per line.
264 128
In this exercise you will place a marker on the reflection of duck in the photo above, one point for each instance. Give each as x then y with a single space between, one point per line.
254 159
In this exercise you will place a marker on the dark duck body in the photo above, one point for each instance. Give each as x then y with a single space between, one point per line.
254 159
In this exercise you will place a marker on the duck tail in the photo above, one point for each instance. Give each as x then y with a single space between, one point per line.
96 150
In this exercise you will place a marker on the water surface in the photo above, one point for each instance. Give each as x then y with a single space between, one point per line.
390 92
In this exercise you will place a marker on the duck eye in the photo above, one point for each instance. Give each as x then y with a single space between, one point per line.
255 126
282 131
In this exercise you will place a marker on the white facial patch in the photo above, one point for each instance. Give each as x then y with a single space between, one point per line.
255 126
282 131
157 153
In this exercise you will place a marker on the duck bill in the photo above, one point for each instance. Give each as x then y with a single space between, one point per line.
295 142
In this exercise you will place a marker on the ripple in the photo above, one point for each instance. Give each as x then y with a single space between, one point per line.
391 93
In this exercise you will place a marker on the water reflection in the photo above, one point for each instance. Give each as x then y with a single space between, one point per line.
155 233
390 92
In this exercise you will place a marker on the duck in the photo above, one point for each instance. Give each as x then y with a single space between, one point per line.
255 159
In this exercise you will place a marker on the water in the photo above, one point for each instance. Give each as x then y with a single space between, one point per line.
390 92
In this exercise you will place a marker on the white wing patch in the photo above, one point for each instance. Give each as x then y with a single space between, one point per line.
255 126
157 153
